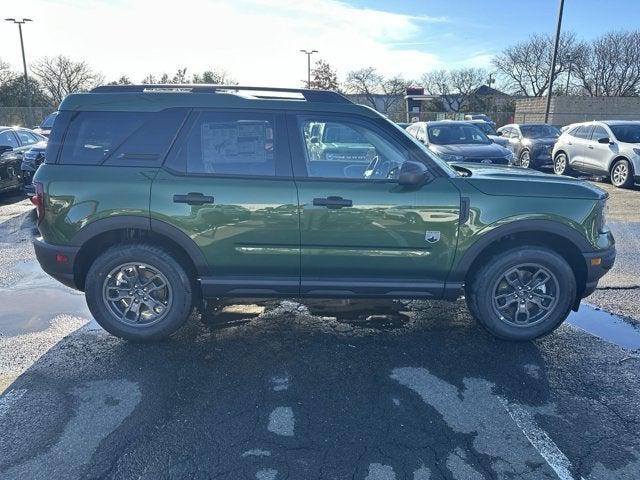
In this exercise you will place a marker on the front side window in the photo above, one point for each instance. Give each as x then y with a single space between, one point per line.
456 135
232 144
7 139
583 131
348 150
626 133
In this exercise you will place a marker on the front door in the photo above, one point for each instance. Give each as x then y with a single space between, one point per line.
228 186
361 233
597 155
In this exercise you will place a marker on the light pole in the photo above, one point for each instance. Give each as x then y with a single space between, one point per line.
24 65
553 62
308 53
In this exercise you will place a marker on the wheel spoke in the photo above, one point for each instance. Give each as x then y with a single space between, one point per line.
509 299
522 310
537 279
123 293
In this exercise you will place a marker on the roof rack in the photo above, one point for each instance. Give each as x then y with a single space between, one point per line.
324 96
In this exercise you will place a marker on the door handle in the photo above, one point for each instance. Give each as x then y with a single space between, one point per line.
591 147
569 143
193 198
332 202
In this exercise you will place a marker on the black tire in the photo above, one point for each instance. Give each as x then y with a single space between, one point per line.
177 280
621 175
525 159
489 278
561 164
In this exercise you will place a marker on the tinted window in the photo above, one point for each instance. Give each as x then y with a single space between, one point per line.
486 128
7 139
598 132
626 133
507 132
539 131
231 144
93 136
27 138
456 134
371 157
583 131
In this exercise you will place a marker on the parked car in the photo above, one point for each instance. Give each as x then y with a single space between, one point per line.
531 143
31 160
489 129
459 141
132 174
14 141
45 127
609 148
480 116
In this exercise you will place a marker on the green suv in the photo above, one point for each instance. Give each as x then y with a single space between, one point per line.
155 197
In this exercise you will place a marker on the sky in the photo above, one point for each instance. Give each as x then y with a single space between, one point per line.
258 41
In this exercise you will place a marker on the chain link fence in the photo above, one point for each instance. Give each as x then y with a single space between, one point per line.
499 117
567 118
23 116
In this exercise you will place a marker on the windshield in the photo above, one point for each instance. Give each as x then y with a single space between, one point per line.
48 122
486 128
539 131
626 133
441 163
456 134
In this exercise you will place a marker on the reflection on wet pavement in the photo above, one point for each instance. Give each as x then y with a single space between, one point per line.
605 325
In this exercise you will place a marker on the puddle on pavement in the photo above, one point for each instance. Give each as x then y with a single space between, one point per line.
607 326
231 315
390 321
31 310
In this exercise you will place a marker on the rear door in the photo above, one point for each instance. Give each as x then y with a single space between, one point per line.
361 233
227 184
10 160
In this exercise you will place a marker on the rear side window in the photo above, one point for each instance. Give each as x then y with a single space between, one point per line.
598 133
120 138
583 131
226 143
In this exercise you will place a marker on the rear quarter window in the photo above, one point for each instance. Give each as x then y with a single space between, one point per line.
119 138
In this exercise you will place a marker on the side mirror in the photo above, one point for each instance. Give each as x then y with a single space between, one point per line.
606 140
5 148
499 133
413 174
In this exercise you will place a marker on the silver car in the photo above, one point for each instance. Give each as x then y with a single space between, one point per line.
610 148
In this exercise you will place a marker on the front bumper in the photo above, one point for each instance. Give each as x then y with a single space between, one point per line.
57 261
598 264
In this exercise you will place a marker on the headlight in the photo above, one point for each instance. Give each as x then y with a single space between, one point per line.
603 213
447 157
636 151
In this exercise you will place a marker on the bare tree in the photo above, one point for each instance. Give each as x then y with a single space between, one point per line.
454 87
60 76
368 83
215 76
525 66
123 80
6 74
610 66
323 76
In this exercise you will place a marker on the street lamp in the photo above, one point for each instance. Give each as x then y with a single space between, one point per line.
553 62
309 53
21 22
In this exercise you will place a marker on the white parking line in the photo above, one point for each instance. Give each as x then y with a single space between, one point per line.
280 383
266 474
377 471
9 398
540 440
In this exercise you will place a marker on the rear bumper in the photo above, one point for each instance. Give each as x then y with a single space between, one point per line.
598 264
57 261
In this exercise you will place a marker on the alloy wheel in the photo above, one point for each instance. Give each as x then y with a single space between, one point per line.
560 164
525 160
619 174
137 294
525 295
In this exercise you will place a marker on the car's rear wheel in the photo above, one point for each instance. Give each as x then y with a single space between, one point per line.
561 164
523 293
622 174
525 159
138 292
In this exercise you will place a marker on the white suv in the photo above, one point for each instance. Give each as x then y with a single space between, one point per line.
609 148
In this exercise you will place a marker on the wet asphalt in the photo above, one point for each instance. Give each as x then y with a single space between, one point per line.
321 390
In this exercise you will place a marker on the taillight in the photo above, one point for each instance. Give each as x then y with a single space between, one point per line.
38 201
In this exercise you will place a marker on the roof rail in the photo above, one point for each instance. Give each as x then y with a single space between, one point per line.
324 96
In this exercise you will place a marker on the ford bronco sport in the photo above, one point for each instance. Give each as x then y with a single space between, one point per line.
154 197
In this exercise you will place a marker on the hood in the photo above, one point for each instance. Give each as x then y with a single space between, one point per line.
499 140
540 141
473 150
40 146
524 182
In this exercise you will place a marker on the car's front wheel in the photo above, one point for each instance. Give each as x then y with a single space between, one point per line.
621 174
523 293
525 159
138 292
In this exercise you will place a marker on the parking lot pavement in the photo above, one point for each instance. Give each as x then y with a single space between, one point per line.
411 390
